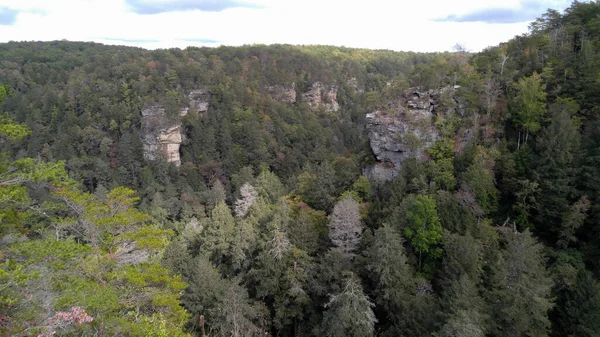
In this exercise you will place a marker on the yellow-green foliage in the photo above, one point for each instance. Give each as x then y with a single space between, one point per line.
441 172
14 196
11 130
8 128
530 103
362 187
132 299
12 277
441 168
443 148
149 274
155 325
57 254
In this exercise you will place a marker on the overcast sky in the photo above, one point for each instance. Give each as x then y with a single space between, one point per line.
418 25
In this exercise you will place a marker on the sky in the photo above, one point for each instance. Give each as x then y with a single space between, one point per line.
419 25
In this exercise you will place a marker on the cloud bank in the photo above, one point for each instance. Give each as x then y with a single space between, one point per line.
8 17
148 7
527 10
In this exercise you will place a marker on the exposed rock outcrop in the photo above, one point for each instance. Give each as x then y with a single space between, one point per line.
320 95
161 135
353 83
128 253
286 94
154 110
169 141
406 129
381 173
199 100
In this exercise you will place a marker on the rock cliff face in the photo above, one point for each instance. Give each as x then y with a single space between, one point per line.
198 100
286 94
321 95
129 254
406 128
169 141
161 136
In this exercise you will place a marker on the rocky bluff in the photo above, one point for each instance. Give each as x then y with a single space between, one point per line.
407 126
318 95
161 135
404 128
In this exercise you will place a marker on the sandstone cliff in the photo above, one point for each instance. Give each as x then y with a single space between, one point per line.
198 101
286 94
406 128
321 95
161 136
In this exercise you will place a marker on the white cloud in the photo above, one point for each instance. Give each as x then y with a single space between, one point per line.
374 24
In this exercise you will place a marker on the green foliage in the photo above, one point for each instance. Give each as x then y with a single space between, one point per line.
389 269
466 311
462 257
441 149
14 196
454 216
557 171
442 173
176 257
269 186
481 182
217 237
530 104
521 296
362 187
440 168
155 326
75 107
424 229
11 130
8 128
349 313
56 253
205 291
316 187
97 276
577 311
306 229
13 277
287 289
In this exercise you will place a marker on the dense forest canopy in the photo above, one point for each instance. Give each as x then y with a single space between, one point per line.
303 190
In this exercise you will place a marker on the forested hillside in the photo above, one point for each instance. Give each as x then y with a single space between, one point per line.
303 190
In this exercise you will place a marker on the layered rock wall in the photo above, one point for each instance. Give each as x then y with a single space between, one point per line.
321 95
286 94
406 128
198 100
161 135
